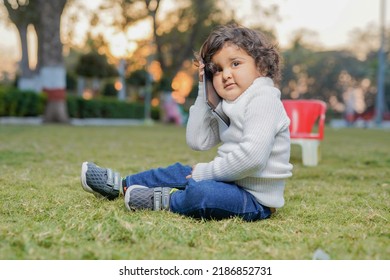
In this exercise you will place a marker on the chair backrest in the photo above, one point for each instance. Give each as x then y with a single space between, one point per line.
304 115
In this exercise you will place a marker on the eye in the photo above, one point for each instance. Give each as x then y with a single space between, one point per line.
235 63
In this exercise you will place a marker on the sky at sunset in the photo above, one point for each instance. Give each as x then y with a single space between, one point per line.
332 20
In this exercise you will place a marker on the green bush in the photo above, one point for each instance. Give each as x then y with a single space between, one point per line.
103 108
14 102
109 90
17 103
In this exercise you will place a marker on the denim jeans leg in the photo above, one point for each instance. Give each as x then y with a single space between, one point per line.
173 176
206 199
217 200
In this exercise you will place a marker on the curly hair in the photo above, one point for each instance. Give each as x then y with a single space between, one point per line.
255 43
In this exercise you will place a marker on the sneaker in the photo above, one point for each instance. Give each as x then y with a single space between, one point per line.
140 197
101 182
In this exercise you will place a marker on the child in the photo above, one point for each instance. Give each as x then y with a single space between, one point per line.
247 176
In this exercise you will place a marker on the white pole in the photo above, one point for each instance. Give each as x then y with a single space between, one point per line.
149 87
122 73
380 97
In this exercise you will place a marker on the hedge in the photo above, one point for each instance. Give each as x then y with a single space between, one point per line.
17 103
22 103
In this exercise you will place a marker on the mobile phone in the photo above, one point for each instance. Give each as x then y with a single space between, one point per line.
213 100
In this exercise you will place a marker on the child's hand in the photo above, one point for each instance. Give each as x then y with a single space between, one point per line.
201 71
190 176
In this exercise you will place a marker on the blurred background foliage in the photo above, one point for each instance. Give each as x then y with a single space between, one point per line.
160 59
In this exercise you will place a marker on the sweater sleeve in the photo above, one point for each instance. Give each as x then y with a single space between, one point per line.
202 131
262 120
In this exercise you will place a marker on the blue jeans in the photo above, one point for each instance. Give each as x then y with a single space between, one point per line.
206 199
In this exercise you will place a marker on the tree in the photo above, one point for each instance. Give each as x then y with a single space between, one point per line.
365 43
94 66
325 75
176 34
52 70
184 33
45 16
23 14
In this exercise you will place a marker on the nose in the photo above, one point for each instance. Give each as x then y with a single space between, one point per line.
226 74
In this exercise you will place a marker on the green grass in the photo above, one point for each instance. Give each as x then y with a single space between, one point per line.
341 206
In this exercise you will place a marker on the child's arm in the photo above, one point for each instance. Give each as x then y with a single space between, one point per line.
202 127
264 118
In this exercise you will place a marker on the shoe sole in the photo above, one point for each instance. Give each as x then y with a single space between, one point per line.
84 169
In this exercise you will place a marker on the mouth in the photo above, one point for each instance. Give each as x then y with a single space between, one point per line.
227 86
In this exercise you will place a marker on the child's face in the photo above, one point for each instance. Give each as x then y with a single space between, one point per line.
236 71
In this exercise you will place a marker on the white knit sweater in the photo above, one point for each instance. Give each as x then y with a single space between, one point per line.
255 149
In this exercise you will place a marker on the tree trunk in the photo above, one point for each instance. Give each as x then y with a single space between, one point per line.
24 65
27 79
52 69
22 16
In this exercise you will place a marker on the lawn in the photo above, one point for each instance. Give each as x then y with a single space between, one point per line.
341 206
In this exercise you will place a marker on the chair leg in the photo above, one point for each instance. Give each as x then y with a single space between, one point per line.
310 152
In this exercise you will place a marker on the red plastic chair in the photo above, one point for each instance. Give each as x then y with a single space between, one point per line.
305 115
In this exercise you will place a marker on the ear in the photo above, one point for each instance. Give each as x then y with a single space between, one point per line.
260 72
